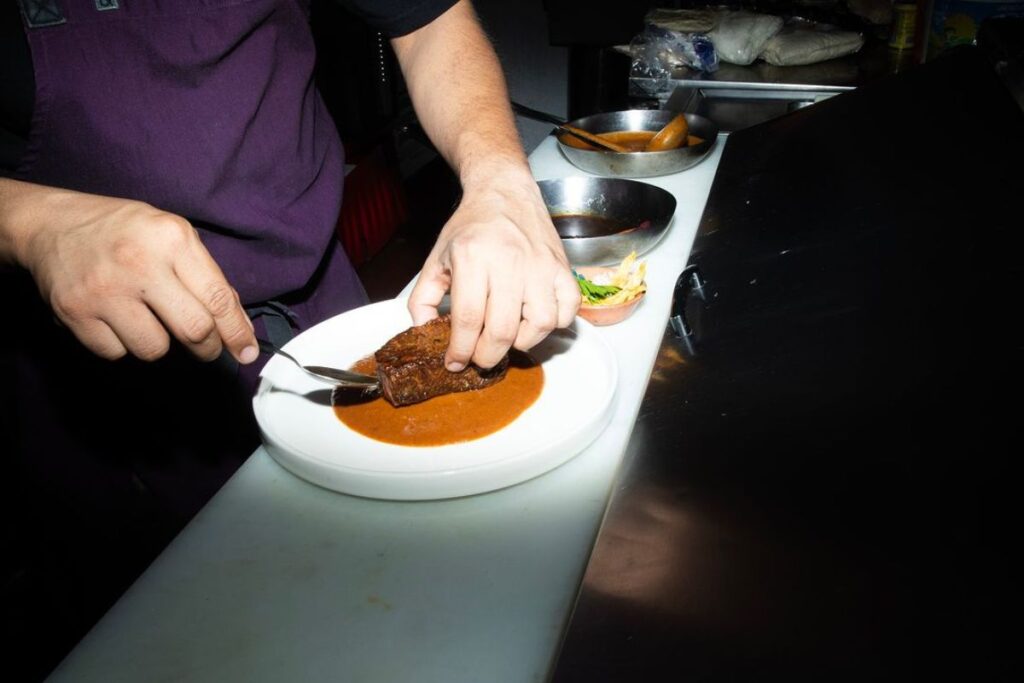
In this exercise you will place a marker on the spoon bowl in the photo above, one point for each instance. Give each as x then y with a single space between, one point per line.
333 376
671 136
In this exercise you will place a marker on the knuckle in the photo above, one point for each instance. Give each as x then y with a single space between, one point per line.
526 343
502 335
471 319
152 347
219 298
460 249
544 321
67 305
175 229
197 328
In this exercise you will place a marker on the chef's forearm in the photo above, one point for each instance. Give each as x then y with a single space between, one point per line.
23 207
459 92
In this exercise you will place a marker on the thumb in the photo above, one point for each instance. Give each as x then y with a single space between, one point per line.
427 295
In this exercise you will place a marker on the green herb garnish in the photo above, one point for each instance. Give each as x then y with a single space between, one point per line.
594 293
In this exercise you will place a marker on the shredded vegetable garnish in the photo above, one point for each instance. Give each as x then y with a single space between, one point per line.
624 284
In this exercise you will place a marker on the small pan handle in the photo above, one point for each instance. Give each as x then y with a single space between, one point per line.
689 280
537 115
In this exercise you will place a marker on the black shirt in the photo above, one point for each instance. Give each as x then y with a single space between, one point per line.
17 86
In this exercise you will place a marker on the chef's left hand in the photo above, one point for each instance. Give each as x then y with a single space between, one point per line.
503 263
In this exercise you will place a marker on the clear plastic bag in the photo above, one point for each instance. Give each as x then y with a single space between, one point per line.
657 52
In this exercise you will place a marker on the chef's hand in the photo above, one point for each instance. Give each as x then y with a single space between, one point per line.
124 276
503 262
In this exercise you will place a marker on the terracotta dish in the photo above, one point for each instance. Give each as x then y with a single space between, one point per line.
596 314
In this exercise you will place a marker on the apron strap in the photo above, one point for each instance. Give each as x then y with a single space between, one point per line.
278 319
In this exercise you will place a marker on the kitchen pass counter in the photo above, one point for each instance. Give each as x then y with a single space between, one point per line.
277 579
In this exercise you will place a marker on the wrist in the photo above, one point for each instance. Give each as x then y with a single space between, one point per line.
503 174
18 222
27 211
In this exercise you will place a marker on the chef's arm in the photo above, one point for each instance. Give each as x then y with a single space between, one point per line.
120 274
499 254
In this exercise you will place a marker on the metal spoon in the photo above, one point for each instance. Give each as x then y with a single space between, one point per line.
592 139
561 126
333 376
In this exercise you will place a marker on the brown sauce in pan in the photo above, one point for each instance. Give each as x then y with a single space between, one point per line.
632 140
588 225
451 418
570 226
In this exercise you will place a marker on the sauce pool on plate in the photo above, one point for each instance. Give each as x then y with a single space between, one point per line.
451 418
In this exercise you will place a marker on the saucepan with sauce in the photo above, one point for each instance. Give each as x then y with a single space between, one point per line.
632 129
603 220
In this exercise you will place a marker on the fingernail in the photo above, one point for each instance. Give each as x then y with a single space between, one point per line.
248 355
455 366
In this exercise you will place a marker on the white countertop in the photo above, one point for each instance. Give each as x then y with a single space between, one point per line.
277 579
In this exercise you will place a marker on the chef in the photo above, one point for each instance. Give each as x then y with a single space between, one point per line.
170 182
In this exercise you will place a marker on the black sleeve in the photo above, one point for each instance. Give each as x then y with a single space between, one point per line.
17 88
397 17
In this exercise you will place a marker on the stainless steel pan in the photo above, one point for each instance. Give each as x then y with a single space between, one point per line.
602 220
631 164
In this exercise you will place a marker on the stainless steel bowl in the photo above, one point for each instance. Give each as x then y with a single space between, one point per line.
619 216
639 164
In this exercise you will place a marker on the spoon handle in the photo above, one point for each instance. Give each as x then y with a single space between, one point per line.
560 123
343 376
333 375
537 115
593 139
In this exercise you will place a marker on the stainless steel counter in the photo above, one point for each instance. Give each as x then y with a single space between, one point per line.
737 97
818 485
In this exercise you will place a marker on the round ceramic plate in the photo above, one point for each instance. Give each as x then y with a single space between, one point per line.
301 431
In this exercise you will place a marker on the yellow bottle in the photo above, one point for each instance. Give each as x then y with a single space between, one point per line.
904 23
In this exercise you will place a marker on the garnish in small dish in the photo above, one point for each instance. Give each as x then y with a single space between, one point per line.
609 295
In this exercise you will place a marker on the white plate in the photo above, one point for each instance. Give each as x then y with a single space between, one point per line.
301 431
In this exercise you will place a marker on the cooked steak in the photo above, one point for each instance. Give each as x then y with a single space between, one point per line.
411 366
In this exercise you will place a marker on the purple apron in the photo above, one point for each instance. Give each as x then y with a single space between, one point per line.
206 109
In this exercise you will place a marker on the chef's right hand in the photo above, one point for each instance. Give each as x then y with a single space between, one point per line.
124 276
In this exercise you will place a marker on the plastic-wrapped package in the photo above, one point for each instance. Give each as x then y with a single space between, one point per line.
657 52
739 37
795 45
683 20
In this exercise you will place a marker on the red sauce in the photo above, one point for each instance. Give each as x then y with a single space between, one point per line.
451 418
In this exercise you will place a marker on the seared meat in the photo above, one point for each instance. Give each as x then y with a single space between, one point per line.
411 366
